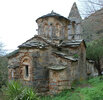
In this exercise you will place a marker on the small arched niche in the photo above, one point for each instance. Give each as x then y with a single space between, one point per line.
73 27
45 29
58 29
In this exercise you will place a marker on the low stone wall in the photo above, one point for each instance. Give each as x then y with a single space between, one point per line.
60 85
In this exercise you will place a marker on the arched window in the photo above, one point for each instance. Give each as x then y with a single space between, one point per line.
26 71
39 30
26 68
51 30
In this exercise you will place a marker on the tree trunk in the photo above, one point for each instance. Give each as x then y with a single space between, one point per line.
98 67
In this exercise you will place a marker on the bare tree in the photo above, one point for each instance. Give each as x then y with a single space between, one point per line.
2 50
90 6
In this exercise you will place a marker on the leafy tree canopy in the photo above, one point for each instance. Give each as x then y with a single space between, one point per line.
95 50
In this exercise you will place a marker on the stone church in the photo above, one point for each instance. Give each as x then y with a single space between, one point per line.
53 59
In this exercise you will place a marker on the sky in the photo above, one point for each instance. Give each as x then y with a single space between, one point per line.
17 18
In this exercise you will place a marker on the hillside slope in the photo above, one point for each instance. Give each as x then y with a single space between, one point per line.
93 26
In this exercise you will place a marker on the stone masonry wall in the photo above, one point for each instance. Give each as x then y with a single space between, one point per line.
53 28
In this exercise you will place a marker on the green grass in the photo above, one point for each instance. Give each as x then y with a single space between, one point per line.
91 89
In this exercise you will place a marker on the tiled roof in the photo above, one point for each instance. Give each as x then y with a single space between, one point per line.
13 53
34 43
72 43
37 43
60 54
52 14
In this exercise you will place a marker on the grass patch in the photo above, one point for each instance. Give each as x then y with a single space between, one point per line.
91 89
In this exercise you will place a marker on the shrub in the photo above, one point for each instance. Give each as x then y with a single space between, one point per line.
16 91
75 55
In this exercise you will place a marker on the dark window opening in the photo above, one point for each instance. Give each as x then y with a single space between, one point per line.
73 27
26 71
51 24
59 49
61 41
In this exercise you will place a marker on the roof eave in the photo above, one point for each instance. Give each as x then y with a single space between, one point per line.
53 16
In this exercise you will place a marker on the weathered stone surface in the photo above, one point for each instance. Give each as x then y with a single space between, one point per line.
91 70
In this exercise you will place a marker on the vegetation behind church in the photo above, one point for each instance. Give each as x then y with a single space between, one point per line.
3 67
92 34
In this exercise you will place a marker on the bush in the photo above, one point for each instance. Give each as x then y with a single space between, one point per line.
16 91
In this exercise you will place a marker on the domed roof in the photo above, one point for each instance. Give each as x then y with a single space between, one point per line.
52 14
